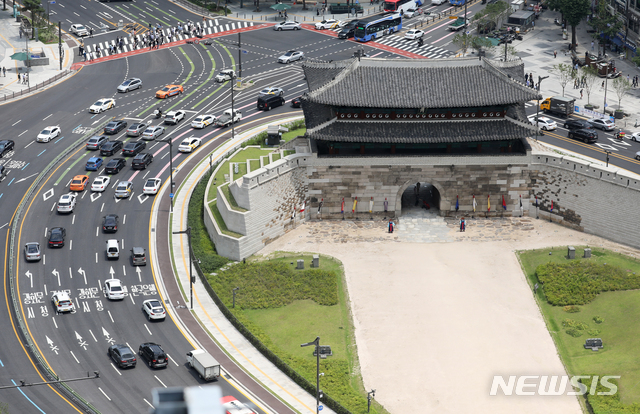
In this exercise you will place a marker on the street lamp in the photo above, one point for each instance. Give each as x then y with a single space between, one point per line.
234 296
540 79
168 141
370 396
316 343
191 277
608 153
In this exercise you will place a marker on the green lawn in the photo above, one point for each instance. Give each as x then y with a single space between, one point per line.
288 136
221 224
619 312
231 199
241 157
254 164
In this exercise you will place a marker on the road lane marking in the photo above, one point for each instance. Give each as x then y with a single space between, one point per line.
145 325
74 357
160 381
110 317
117 370
105 394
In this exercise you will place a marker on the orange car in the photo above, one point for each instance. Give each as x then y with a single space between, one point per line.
169 90
79 182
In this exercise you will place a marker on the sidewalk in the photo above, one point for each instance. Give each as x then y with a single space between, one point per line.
39 77
536 50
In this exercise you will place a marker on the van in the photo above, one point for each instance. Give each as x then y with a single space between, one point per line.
267 102
113 250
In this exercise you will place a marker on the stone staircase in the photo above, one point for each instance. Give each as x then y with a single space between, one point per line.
418 225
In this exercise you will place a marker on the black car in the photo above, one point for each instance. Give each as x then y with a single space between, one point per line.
6 146
110 223
348 30
153 353
115 165
114 127
267 102
586 135
56 237
577 124
133 148
295 102
141 161
122 355
110 147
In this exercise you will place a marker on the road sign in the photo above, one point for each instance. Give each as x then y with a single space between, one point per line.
320 408
171 195
52 2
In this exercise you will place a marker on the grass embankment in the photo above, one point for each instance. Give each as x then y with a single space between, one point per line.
285 307
586 298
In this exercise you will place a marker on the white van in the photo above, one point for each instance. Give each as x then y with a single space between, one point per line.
113 250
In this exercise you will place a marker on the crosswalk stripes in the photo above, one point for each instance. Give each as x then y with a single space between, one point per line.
211 27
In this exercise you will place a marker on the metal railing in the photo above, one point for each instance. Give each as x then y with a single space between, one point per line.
37 86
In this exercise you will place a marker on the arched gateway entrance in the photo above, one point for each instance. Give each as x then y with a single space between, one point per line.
417 195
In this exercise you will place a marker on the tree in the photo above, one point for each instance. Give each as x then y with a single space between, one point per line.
574 11
590 76
564 72
35 8
491 17
463 41
479 43
622 87
606 26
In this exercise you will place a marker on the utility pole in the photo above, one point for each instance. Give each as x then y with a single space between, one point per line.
540 79
191 277
233 113
239 57
60 42
316 343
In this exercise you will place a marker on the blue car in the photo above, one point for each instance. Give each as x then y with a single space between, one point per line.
93 164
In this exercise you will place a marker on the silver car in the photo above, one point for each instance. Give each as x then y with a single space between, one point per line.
32 251
604 124
130 85
287 26
291 56
153 132
124 189
136 129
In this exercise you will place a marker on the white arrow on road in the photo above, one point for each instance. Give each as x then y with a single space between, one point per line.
142 198
28 274
95 196
138 271
81 341
84 275
112 272
25 178
53 347
56 274
107 337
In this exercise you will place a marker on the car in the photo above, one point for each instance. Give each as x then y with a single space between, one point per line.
110 147
635 136
173 117
6 146
110 223
113 249
79 183
102 105
153 353
48 134
32 251
586 135
225 75
544 123
115 165
637 157
296 102
154 309
93 164
122 355
169 90
138 256
409 13
66 203
124 189
62 302
202 121
79 30
135 130
287 26
189 144
113 289
231 405
271 91
577 124
152 186
100 183
414 34
3 172
133 148
438 2
328 24
56 237
291 56
153 132
604 124
130 85
114 127
96 142
141 161
348 30
267 102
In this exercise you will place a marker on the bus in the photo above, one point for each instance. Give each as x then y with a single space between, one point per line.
401 5
457 2
376 26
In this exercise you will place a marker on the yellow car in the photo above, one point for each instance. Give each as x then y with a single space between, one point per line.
169 90
102 105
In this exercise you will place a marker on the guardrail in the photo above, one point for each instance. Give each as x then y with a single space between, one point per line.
30 345
37 86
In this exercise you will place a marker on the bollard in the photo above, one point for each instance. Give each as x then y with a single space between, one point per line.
587 253
316 261
300 264
571 253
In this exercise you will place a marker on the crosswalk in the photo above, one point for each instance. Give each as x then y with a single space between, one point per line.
211 27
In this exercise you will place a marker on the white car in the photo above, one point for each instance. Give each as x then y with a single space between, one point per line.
100 183
271 91
189 144
152 132
287 26
153 308
113 289
225 75
62 302
48 134
152 186
544 123
173 117
328 24
409 13
291 56
202 121
79 30
438 2
102 105
414 34
603 124
635 136
66 203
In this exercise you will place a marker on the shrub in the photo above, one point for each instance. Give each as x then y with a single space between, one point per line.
598 319
593 332
574 332
571 309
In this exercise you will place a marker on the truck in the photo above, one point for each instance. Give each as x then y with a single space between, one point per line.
204 364
459 23
558 105
229 117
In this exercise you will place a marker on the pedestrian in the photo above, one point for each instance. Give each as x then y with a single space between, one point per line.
581 93
592 44
18 78
555 54
602 87
533 25
462 225
4 71
391 226
20 30
80 50
26 78
91 32
85 55
98 51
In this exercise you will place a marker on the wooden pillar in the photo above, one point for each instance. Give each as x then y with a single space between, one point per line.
479 148
393 148
361 149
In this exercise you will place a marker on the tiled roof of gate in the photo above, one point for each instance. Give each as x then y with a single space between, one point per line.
413 83
414 132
